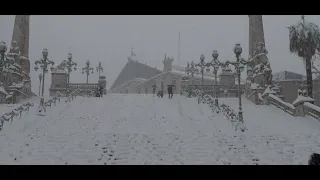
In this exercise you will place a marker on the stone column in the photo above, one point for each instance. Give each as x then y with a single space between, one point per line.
21 36
256 33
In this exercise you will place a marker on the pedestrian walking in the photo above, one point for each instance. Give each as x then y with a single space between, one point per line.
170 91
101 90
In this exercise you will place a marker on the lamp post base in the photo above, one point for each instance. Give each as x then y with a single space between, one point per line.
240 125
41 109
216 101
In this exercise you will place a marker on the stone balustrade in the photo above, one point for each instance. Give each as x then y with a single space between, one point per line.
312 110
279 103
83 86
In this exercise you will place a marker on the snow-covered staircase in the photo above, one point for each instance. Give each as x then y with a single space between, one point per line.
144 129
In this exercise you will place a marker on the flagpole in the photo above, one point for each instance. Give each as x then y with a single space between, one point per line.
179 49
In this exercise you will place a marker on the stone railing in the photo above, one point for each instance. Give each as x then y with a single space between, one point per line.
312 110
15 112
279 103
82 86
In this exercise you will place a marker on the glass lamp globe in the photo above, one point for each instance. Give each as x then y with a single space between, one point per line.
215 54
202 58
237 49
45 52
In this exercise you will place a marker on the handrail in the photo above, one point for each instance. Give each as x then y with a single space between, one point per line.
312 110
287 107
15 112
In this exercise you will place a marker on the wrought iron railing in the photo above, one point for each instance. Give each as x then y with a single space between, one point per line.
15 112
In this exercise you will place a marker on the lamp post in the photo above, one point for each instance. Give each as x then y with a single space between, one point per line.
216 64
239 65
44 62
202 64
40 78
99 68
191 69
87 70
69 64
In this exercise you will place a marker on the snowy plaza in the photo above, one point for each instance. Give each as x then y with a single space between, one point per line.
144 129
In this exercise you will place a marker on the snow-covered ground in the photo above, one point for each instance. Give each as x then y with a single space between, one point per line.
142 129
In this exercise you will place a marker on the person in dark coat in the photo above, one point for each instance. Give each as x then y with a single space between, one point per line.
160 94
170 91
101 90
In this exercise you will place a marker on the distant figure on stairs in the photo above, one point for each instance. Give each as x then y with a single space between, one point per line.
101 90
170 91
160 94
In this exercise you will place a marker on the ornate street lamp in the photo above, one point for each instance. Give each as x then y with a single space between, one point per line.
69 64
43 62
239 66
203 65
216 64
99 68
191 69
87 70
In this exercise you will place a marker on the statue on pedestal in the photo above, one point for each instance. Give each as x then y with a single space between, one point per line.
259 70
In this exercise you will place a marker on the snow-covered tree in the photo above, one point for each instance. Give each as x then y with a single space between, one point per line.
305 42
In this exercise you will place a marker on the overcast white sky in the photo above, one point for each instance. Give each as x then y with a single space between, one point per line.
108 39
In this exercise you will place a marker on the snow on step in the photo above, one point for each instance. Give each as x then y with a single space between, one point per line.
142 129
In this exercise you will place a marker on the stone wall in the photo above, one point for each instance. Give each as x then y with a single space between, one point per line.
290 88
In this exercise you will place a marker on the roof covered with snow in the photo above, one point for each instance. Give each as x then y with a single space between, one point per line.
287 75
134 69
138 80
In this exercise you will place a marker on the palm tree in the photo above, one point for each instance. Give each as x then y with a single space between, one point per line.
305 41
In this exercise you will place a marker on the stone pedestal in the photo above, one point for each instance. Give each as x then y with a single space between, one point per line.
227 79
102 81
59 82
